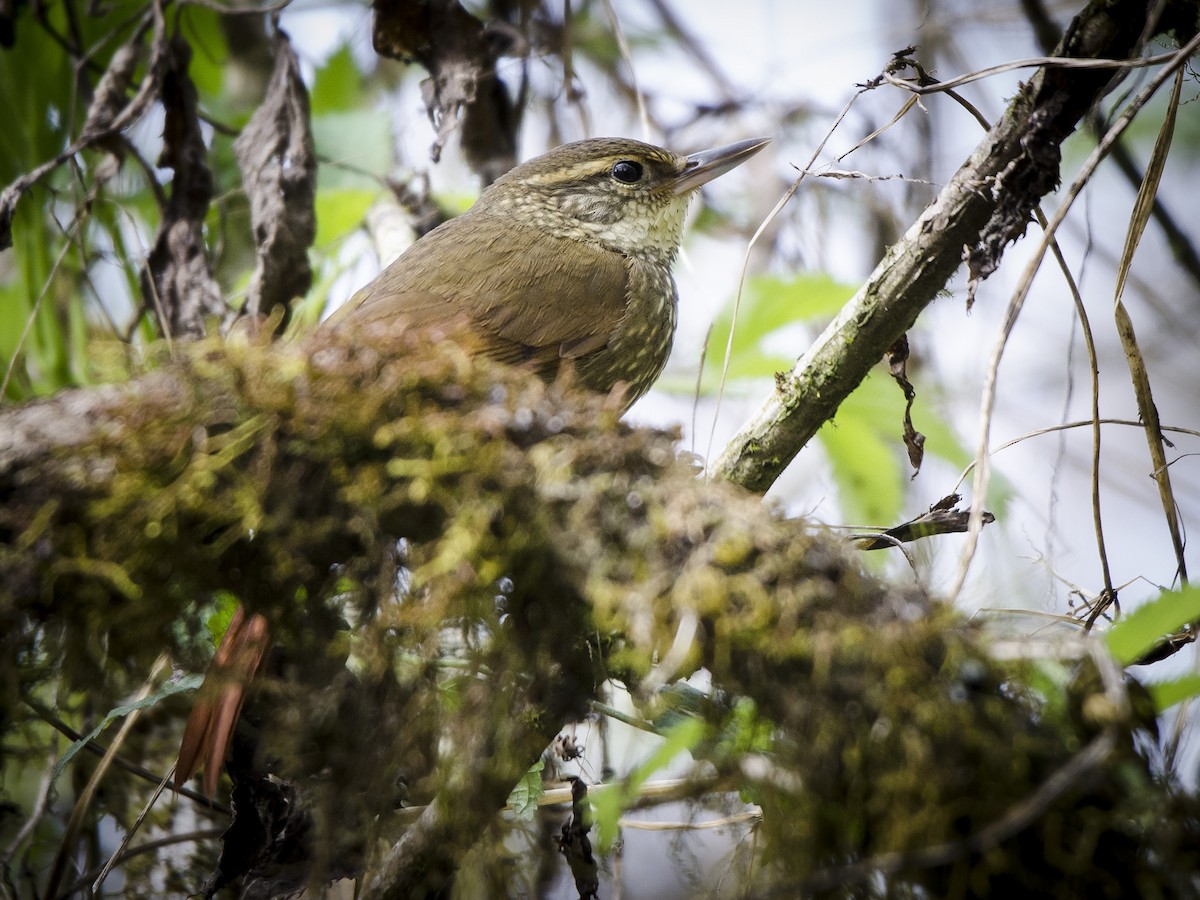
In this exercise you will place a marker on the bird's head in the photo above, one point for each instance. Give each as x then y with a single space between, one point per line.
629 196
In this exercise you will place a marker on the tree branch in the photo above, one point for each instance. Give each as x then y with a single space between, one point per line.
984 207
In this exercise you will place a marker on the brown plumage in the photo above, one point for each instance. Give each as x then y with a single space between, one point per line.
565 259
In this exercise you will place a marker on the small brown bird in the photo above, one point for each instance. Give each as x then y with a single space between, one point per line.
564 261
565 258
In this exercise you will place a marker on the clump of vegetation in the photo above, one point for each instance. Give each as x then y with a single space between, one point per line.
501 547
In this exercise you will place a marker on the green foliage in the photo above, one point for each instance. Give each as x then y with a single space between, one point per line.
610 802
64 266
1138 631
1167 693
284 477
769 304
865 442
524 797
218 622
862 446
43 113
168 689
338 86
205 33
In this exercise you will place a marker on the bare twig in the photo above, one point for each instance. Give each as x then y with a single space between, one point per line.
758 233
982 469
981 208
119 761
1036 62
1094 371
1138 374
627 55
146 93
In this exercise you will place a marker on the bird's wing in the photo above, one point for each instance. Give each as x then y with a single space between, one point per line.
526 295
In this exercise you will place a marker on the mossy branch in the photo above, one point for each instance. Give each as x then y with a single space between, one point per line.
285 475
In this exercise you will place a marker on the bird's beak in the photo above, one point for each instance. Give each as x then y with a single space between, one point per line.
703 167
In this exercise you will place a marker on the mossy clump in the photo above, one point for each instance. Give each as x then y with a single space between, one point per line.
453 555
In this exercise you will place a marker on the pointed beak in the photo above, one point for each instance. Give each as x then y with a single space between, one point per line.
703 167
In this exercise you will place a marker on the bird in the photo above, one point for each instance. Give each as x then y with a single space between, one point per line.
565 259
562 264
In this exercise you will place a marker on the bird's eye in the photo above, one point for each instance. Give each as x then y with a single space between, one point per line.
627 171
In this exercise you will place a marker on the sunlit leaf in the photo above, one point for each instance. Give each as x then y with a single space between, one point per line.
524 797
218 622
210 53
866 465
338 85
360 141
769 303
1135 633
340 211
1167 693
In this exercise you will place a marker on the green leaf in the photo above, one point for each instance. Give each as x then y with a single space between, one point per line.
769 303
1137 632
205 31
186 683
865 447
610 802
338 86
1167 693
218 622
362 140
340 211
524 797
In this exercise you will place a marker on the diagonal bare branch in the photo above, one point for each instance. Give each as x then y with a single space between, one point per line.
983 208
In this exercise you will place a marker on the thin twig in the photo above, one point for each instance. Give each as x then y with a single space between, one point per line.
31 318
758 232
982 469
268 10
1067 426
98 749
204 834
627 55
66 847
1036 62
685 39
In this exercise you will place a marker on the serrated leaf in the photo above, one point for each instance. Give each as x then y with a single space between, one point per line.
186 683
524 797
1135 633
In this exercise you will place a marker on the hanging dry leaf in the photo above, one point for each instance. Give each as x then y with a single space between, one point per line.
914 441
279 171
178 282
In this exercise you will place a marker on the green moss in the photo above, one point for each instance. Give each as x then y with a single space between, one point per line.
547 546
